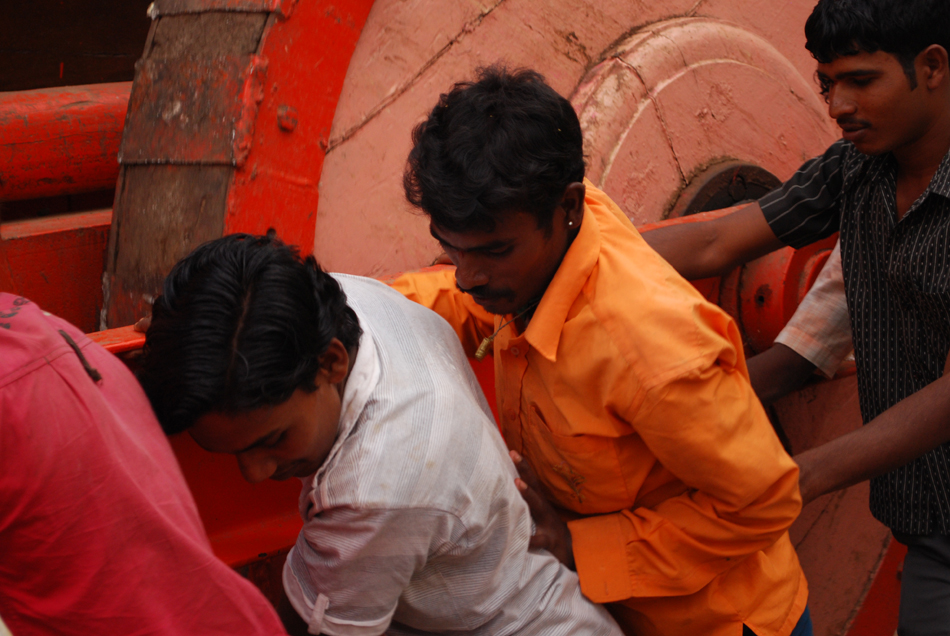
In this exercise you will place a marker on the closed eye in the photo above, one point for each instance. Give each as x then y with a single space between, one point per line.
273 443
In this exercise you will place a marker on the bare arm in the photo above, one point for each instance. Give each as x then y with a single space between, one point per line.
778 371
713 248
907 430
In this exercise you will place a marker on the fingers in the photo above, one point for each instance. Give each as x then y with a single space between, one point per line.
143 324
525 472
540 541
539 507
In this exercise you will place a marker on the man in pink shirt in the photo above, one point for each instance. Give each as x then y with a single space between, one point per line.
99 533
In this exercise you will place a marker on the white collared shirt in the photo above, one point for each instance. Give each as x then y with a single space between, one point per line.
413 523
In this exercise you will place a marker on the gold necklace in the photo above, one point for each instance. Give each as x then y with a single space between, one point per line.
482 350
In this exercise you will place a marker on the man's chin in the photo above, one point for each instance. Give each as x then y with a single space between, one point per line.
299 471
497 306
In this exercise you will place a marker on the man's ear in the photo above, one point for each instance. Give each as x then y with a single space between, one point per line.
934 59
573 204
334 363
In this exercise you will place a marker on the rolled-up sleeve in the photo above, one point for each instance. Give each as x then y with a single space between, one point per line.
349 567
820 329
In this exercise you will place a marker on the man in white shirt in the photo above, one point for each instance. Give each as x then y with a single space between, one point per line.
412 521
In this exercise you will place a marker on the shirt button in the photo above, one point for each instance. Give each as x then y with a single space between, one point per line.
515 351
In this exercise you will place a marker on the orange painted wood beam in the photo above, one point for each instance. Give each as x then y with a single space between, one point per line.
57 262
59 141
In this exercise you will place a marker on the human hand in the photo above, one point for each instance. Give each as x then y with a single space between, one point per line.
143 324
551 533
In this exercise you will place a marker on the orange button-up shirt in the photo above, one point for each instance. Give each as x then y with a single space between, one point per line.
628 395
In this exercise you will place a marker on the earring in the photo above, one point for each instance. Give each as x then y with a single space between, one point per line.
570 224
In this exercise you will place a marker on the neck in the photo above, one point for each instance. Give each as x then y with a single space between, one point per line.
351 352
524 315
918 161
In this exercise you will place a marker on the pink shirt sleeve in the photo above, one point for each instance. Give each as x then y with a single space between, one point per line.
820 330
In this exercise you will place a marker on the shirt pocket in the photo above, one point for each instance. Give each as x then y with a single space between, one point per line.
582 472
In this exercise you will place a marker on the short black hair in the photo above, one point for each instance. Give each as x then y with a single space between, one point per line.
241 324
507 141
902 28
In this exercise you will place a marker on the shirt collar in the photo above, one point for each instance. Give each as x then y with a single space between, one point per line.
544 329
886 166
940 184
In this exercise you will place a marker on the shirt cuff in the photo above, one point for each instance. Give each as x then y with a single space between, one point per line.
314 613
826 358
600 554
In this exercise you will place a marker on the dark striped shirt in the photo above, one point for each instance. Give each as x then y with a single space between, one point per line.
897 282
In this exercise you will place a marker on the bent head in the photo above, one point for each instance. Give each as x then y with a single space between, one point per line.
498 167
248 350
882 67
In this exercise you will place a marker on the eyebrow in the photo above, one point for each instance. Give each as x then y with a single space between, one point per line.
855 73
493 245
259 442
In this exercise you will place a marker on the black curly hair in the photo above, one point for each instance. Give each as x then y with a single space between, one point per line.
902 28
242 323
505 142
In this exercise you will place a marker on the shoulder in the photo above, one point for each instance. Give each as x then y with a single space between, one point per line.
390 310
421 436
657 321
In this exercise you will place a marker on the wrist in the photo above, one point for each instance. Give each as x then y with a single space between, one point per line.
809 477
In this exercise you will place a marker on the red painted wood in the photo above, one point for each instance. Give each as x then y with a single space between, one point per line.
878 613
60 140
119 340
278 186
57 262
243 520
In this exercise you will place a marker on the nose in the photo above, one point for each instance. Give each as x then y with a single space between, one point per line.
468 272
256 469
839 105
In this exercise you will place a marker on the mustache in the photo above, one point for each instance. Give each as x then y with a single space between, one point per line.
484 292
852 122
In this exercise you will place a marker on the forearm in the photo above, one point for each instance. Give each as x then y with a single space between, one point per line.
904 432
689 248
778 371
713 248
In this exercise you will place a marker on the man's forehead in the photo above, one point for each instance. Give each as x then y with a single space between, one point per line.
509 227
861 62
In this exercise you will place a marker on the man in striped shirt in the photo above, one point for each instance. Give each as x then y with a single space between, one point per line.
412 521
883 68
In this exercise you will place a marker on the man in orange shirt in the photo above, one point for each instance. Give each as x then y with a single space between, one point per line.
622 389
